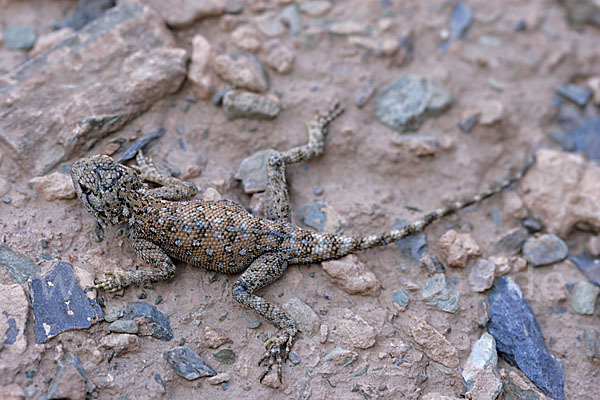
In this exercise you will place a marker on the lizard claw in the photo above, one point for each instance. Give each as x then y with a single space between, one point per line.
112 282
278 348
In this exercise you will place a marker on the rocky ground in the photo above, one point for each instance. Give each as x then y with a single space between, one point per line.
442 99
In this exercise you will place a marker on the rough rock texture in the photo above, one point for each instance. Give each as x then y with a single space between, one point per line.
14 308
434 344
199 72
457 248
182 13
54 186
41 114
351 275
564 190
242 71
241 104
357 331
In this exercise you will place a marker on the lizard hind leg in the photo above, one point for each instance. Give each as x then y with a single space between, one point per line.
263 271
278 208
170 188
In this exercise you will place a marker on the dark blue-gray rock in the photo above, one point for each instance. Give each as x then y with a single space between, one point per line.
584 298
18 266
577 94
439 294
591 336
70 381
217 98
590 267
512 241
123 326
364 93
401 298
462 18
59 304
583 138
225 356
533 225
19 37
519 339
405 103
85 12
242 104
313 215
468 124
157 321
544 249
188 364
253 171
412 247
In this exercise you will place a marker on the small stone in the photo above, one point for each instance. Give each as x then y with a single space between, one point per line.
364 93
584 298
501 264
314 8
544 249
199 70
594 85
313 215
294 357
225 356
21 268
211 194
341 357
19 37
69 381
434 344
84 13
54 186
468 123
490 112
121 343
214 339
462 18
590 267
13 318
351 275
278 56
150 320
188 364
482 276
400 298
512 241
123 326
439 294
240 104
181 14
253 171
347 28
379 47
405 103
457 248
219 378
593 246
480 374
306 319
246 38
418 145
253 324
591 336
577 94
357 330
242 71
323 333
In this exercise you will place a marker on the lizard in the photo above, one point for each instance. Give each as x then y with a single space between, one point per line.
164 224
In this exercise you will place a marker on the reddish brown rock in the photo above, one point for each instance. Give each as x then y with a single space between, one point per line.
54 186
457 248
434 344
240 71
183 13
199 72
351 275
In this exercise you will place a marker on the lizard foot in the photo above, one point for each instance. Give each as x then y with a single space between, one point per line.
278 347
112 282
145 167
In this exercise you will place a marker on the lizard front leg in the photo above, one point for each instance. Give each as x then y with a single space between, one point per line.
263 271
171 187
148 252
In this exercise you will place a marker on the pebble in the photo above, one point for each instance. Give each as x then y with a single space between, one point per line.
290 16
482 275
480 371
241 104
307 320
400 298
544 249
357 330
246 38
590 267
14 308
313 215
219 378
533 225
490 112
502 265
49 294
584 138
591 336
418 145
241 70
352 276
382 47
314 8
439 294
19 37
69 381
214 339
346 28
253 324
225 356
364 93
153 320
592 246
340 356
181 14
405 103
21 268
188 364
433 343
594 85
584 298
519 339
457 248
468 123
253 171
278 56
579 95
294 358
461 20
123 326
199 70
121 343
56 186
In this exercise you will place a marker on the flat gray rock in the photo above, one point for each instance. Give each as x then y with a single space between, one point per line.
19 266
188 364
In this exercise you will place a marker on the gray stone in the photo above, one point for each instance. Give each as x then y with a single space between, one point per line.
577 94
412 247
313 215
481 276
439 294
157 322
70 380
149 68
225 356
512 242
482 364
584 298
85 12
307 320
544 249
59 304
123 326
591 336
253 171
240 104
400 297
292 19
405 103
462 18
188 364
340 356
364 93
582 138
590 267
19 37
20 267
581 12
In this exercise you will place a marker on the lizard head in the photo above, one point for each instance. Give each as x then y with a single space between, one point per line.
104 186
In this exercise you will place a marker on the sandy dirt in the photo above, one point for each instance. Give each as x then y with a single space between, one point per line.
368 179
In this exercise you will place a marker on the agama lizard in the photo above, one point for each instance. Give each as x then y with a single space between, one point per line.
221 235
